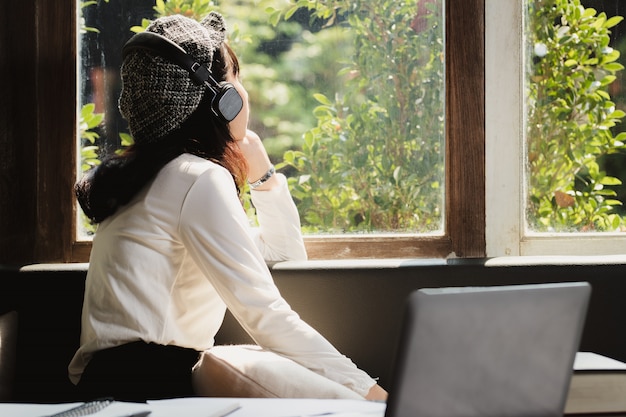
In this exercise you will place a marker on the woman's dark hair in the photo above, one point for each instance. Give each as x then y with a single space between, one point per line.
119 178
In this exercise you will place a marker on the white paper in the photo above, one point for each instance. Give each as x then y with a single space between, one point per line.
33 410
268 407
115 409
214 407
588 361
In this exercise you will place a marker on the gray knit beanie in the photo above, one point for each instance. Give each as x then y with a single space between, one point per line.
157 95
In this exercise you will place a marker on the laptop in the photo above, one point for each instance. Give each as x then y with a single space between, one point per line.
488 351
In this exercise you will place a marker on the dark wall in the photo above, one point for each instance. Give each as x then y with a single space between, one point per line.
360 310
357 307
48 302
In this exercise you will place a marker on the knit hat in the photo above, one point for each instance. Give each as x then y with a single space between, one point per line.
157 95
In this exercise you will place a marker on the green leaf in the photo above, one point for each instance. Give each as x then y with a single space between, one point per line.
613 21
613 66
321 98
291 12
126 139
570 63
274 17
610 181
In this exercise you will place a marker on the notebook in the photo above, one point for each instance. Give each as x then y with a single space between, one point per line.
488 351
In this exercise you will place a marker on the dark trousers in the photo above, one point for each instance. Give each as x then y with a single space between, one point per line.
139 371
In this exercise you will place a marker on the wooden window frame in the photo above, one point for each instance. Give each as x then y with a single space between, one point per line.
507 232
47 232
38 111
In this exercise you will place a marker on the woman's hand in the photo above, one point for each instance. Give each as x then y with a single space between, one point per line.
376 393
258 161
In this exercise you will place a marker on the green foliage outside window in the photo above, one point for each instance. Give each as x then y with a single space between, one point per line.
375 160
571 118
372 155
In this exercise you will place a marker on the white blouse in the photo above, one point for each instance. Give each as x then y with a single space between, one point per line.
164 268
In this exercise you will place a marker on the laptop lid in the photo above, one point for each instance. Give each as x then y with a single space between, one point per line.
488 351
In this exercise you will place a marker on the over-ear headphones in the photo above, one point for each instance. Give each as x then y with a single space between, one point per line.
226 103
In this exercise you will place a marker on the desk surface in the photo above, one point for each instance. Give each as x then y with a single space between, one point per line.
219 407
216 407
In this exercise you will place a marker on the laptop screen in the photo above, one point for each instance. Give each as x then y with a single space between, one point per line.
488 351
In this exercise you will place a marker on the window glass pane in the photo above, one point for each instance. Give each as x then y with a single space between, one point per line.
575 103
348 95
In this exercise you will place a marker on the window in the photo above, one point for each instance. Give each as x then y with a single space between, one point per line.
511 230
350 101
42 139
485 148
422 225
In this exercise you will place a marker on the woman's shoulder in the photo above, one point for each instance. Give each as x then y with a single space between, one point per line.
192 166
189 171
178 179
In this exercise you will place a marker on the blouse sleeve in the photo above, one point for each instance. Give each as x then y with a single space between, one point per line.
278 237
214 228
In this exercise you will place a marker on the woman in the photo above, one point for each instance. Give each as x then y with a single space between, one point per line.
174 248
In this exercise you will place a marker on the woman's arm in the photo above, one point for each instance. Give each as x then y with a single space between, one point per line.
279 237
376 393
258 161
214 230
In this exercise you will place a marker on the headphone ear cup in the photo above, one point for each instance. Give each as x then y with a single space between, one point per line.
227 103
